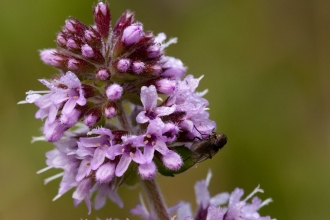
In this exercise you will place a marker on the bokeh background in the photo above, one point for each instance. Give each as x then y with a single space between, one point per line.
266 65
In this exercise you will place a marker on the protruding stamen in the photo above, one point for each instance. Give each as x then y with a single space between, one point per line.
53 178
44 170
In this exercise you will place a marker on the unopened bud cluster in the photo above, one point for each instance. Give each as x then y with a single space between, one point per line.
117 104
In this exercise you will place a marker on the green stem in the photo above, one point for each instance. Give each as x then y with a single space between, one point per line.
155 199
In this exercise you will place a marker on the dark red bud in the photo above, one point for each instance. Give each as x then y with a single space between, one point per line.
102 18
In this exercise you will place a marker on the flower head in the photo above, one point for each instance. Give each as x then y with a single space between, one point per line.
135 106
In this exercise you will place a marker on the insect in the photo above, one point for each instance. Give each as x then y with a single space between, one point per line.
206 148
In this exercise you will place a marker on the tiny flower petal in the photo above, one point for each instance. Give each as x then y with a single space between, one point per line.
148 170
172 160
105 173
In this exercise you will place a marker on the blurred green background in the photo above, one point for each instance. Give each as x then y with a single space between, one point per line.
266 65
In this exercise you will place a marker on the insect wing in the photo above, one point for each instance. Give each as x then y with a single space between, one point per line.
202 150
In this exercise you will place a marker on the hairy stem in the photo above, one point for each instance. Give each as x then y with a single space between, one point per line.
123 118
155 200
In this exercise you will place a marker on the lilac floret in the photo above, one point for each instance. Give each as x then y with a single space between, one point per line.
153 139
173 68
151 111
104 191
129 151
53 131
67 90
210 208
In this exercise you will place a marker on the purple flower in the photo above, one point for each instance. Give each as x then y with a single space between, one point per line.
98 145
151 111
135 106
173 68
237 209
104 191
129 151
153 139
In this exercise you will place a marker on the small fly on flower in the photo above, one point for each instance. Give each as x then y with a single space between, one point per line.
206 148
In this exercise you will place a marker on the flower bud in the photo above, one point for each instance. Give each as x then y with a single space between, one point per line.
132 34
92 117
92 37
75 27
110 110
165 86
102 19
61 40
114 92
123 65
103 74
138 67
92 54
79 66
124 21
73 44
154 51
53 58
154 70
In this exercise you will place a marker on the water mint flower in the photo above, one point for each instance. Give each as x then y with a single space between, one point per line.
129 151
130 102
151 111
223 206
213 208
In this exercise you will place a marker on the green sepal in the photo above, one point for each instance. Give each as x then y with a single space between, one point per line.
186 156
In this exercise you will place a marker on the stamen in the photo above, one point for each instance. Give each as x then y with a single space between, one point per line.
122 150
131 154
37 92
201 77
266 202
44 169
254 192
208 177
56 197
53 178
148 136
153 143
169 42
146 142
40 138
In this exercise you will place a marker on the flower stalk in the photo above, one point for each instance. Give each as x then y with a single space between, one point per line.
155 199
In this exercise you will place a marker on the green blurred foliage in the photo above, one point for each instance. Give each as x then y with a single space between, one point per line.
266 65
